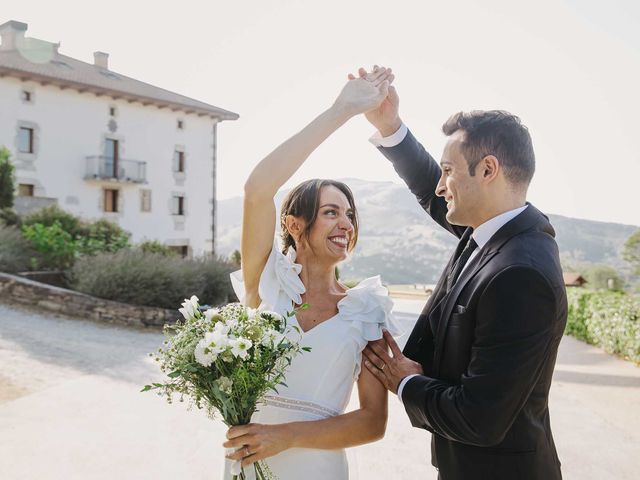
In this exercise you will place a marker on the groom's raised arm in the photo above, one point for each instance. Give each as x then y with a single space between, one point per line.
413 163
419 171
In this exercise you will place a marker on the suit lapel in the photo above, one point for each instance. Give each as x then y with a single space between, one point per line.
439 293
450 300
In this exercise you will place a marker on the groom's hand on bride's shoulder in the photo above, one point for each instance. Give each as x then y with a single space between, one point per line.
385 117
384 359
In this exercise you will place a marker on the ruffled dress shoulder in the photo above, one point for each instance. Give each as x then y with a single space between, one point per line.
280 285
368 309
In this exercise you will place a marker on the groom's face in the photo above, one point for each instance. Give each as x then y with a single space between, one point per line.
460 190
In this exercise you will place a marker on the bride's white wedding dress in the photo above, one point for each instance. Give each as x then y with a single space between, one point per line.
319 382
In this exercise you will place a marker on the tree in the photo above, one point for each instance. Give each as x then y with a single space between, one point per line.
603 277
236 257
7 179
631 251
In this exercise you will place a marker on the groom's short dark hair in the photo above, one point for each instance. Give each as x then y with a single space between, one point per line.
498 133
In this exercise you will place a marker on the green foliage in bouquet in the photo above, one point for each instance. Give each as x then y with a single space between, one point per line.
226 360
610 320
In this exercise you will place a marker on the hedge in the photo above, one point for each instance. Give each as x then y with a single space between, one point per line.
609 320
152 279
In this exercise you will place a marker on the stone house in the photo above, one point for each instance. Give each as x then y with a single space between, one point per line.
103 145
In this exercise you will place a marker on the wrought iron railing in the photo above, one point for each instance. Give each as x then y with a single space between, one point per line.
108 168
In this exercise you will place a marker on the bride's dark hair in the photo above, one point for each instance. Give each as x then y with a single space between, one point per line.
304 202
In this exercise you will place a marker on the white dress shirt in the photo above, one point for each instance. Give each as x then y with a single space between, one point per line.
481 235
392 140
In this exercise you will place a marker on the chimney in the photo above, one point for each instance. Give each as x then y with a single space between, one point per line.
101 59
12 34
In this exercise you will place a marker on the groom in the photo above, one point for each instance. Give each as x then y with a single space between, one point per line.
477 367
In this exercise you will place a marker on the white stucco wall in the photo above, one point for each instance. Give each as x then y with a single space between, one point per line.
71 126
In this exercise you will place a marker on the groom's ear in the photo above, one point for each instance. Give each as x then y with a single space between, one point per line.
489 167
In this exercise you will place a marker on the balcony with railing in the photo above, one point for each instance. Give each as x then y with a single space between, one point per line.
100 167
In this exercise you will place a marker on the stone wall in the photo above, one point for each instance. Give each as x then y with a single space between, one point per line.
21 291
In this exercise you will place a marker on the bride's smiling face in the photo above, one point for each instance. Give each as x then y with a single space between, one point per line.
331 235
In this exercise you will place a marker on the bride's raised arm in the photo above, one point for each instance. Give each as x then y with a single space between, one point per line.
258 227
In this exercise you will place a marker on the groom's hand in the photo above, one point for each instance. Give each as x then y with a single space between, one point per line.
386 116
389 369
360 95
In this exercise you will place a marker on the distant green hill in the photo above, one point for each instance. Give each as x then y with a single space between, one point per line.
399 241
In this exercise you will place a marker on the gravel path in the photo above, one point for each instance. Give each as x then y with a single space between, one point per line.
70 408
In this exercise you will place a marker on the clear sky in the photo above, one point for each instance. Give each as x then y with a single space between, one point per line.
570 69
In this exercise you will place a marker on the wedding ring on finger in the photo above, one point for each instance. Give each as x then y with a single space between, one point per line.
384 365
247 451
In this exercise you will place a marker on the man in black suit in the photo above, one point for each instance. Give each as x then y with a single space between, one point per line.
477 368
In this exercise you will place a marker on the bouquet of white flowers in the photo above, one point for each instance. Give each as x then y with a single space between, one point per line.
226 360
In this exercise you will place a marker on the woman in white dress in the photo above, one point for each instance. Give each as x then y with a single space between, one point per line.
302 430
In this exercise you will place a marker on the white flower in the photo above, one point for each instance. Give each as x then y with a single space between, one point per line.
216 341
186 314
271 337
210 313
189 308
204 356
251 312
233 323
225 384
222 328
240 347
193 301
212 345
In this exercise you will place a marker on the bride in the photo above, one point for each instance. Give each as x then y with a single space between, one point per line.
302 430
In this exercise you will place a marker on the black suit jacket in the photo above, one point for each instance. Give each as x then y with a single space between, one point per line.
488 347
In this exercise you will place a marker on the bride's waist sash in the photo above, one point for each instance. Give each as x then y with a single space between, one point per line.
277 408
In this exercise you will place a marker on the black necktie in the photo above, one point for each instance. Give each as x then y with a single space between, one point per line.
461 262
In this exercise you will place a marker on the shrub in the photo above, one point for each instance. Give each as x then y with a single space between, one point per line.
152 279
9 217
101 236
72 236
154 246
603 277
7 179
610 320
217 285
50 215
56 247
15 250
236 258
